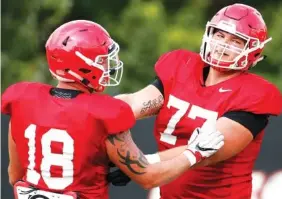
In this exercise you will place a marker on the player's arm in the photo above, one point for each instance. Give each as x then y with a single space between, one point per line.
248 119
165 155
129 158
145 102
15 169
148 101
168 154
124 153
239 129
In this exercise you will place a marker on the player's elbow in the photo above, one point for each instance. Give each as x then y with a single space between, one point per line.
125 97
12 181
148 184
151 179
152 184
14 176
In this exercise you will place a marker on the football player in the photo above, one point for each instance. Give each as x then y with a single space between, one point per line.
213 85
61 139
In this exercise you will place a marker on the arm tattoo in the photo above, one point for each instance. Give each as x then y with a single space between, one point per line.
152 107
122 137
112 139
129 154
127 161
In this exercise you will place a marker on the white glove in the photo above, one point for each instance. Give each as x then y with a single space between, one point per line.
204 142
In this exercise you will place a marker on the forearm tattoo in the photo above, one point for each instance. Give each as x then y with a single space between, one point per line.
129 154
152 107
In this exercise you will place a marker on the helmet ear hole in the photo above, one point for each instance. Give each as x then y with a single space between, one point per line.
94 77
66 41
84 70
257 54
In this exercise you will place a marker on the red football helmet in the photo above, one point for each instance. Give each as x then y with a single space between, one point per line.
83 51
244 22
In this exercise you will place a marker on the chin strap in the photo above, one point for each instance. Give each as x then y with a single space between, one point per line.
263 57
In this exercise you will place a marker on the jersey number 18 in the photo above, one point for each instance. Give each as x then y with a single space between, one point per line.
65 160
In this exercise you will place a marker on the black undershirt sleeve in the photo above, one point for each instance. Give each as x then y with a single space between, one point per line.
159 85
255 123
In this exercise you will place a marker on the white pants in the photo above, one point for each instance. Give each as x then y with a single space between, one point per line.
154 193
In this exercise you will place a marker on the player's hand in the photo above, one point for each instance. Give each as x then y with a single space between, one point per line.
204 142
117 177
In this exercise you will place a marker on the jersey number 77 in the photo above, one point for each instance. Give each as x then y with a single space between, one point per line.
182 106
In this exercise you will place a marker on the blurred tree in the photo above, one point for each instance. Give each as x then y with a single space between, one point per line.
144 29
138 32
25 28
272 70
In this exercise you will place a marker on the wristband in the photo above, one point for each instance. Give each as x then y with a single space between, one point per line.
192 157
153 158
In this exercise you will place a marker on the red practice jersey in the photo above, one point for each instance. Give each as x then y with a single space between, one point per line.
61 142
188 104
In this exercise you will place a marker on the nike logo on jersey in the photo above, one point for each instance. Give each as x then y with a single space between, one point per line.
204 149
221 90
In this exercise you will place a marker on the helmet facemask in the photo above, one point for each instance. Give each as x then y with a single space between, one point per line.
109 64
217 53
113 67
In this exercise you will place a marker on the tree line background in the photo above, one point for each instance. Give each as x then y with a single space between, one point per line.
144 29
